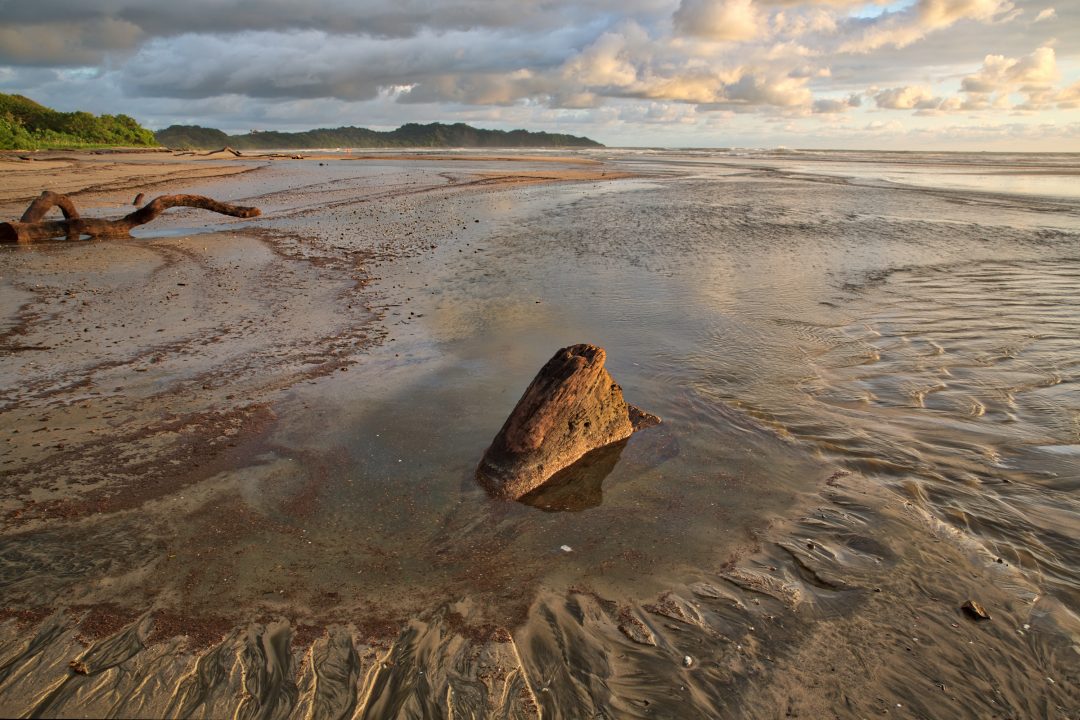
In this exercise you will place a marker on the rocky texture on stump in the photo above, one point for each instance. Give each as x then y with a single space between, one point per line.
572 406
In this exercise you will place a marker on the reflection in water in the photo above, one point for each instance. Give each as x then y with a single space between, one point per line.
579 486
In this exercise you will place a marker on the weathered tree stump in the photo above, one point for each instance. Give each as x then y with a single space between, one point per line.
572 407
31 228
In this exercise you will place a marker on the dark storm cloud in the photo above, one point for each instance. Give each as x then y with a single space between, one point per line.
68 32
313 64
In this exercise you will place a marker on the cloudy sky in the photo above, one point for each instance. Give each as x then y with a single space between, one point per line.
895 74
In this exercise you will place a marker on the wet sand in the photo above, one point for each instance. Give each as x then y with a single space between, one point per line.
142 377
238 468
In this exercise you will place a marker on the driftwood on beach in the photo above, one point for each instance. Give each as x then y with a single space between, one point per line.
33 228
572 407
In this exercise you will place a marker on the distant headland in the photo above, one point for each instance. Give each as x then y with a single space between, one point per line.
436 135
28 125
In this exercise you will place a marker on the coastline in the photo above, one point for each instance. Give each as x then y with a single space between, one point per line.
333 321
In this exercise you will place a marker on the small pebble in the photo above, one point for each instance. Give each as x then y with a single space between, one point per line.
566 548
687 661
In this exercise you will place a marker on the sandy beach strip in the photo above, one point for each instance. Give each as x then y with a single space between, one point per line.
102 179
95 179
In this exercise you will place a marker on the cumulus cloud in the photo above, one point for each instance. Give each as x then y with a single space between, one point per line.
804 21
610 60
833 106
1033 75
942 13
902 28
907 98
719 19
999 73
632 64
989 88
761 89
1069 98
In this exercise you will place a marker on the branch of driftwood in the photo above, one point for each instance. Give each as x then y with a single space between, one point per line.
32 228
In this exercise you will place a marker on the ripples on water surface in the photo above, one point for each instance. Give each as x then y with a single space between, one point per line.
871 396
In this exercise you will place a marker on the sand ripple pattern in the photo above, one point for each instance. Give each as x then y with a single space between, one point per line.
972 397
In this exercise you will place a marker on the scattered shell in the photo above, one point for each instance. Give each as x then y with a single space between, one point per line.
975 610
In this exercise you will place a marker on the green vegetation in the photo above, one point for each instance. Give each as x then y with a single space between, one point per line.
193 137
27 125
412 135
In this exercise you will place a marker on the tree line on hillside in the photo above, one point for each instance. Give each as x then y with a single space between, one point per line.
194 137
27 125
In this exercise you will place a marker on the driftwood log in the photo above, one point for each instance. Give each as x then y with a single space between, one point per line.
571 408
32 228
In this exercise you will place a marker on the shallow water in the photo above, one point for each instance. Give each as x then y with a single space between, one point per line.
865 387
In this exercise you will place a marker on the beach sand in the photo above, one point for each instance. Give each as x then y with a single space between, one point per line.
181 330
95 179
138 373
238 455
